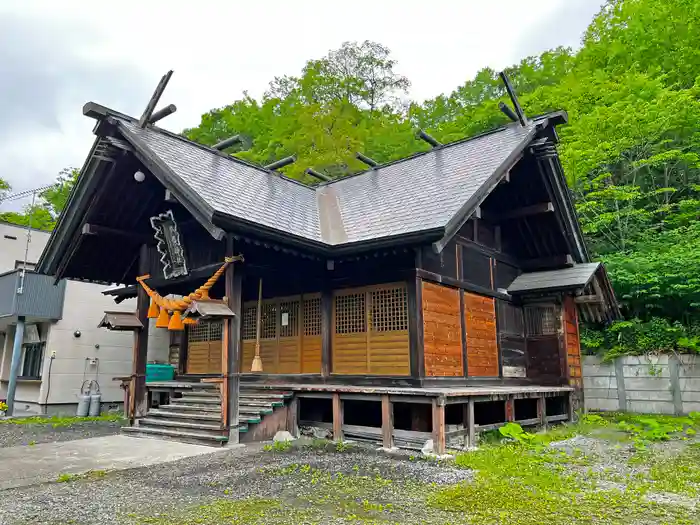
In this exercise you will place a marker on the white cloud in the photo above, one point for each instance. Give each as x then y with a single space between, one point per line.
66 53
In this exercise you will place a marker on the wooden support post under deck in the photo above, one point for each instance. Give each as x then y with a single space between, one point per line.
293 417
570 402
139 395
387 422
337 417
439 425
231 363
510 409
542 411
471 428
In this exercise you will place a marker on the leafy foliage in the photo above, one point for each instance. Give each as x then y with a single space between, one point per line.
515 432
44 214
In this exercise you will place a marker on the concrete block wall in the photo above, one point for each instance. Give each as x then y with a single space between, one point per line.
666 384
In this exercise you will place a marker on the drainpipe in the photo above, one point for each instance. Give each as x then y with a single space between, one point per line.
14 367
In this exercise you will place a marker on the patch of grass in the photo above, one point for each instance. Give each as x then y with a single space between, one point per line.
89 475
66 477
679 474
249 511
317 444
343 446
278 446
59 421
519 484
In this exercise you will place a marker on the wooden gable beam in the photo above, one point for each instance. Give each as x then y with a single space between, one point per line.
547 263
526 211
588 299
105 231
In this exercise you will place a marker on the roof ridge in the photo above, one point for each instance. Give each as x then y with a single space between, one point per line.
314 188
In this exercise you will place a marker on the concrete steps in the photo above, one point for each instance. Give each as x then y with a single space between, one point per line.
195 416
181 407
198 438
185 416
172 423
195 401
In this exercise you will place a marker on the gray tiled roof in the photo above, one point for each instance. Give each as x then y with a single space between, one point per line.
411 195
425 191
577 276
233 187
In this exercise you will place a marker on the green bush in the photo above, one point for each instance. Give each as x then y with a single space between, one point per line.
636 337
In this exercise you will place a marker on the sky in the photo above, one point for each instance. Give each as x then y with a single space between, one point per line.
55 56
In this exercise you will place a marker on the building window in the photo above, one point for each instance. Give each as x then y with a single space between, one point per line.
32 359
541 320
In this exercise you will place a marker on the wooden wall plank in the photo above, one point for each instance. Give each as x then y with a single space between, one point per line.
311 346
370 331
481 334
442 330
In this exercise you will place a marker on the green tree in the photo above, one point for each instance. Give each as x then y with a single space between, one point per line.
658 37
342 103
51 202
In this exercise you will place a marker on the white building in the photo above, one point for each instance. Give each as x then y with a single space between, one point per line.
63 347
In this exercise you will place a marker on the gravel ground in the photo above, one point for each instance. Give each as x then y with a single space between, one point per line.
13 435
310 484
249 472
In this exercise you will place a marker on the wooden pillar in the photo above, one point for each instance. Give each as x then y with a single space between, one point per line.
471 427
337 417
439 425
510 409
414 289
232 333
139 395
542 411
572 406
387 422
293 417
326 329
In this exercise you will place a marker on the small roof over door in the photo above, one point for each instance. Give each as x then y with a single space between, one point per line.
594 294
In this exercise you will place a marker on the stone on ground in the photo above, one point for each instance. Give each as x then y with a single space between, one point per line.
282 436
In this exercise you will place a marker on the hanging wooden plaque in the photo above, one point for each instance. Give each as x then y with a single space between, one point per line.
172 254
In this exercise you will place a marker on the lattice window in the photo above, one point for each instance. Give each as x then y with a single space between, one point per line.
250 314
389 309
198 332
312 316
205 331
541 320
268 322
289 311
350 313
216 330
510 319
